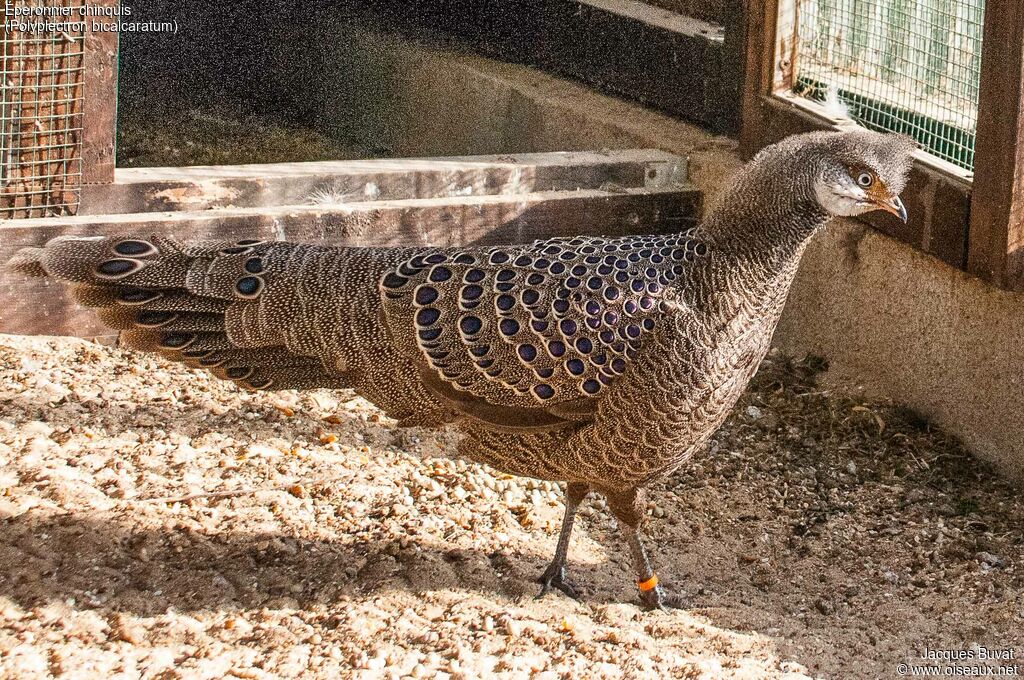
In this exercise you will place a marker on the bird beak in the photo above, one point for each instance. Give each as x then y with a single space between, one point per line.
895 206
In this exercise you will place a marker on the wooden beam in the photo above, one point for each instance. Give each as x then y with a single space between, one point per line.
996 247
264 185
39 306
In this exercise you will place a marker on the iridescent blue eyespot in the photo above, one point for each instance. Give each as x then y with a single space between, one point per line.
428 316
591 386
505 302
535 279
177 340
436 258
556 348
594 283
480 350
560 306
471 325
136 248
530 296
584 345
439 274
499 258
568 327
425 295
153 318
472 292
254 265
544 391
475 276
575 366
523 261
611 293
539 325
527 352
509 327
429 334
506 275
249 286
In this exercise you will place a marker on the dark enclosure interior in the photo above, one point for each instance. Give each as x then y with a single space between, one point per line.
259 82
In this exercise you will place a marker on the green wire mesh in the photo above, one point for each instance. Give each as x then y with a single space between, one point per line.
910 66
41 100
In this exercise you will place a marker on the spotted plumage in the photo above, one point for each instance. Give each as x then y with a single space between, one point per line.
602 362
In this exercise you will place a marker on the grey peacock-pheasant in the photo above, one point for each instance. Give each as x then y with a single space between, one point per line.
601 362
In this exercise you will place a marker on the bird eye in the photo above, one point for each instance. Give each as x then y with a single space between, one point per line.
865 179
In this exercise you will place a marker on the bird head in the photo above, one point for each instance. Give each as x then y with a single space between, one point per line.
862 171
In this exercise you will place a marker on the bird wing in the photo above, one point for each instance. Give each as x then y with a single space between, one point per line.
533 334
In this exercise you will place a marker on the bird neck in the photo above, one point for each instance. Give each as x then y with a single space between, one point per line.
762 225
756 237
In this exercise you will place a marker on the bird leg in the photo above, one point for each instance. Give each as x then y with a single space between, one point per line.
554 575
628 508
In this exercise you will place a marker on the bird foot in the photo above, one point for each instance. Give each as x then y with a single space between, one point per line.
554 577
659 598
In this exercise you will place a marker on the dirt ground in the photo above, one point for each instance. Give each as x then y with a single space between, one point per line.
181 137
158 523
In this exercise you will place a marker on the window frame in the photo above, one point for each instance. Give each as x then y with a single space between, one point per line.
974 222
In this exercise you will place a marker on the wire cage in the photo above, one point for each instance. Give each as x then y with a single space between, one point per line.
41 110
910 66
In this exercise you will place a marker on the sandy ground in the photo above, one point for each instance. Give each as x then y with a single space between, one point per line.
820 536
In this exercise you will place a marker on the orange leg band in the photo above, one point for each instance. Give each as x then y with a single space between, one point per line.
649 584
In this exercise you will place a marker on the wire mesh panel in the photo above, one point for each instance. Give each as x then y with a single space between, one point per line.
910 66
42 65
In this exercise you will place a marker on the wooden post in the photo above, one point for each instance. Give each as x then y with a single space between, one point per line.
759 73
996 237
100 106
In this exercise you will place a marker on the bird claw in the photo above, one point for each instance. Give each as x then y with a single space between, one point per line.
659 598
554 577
